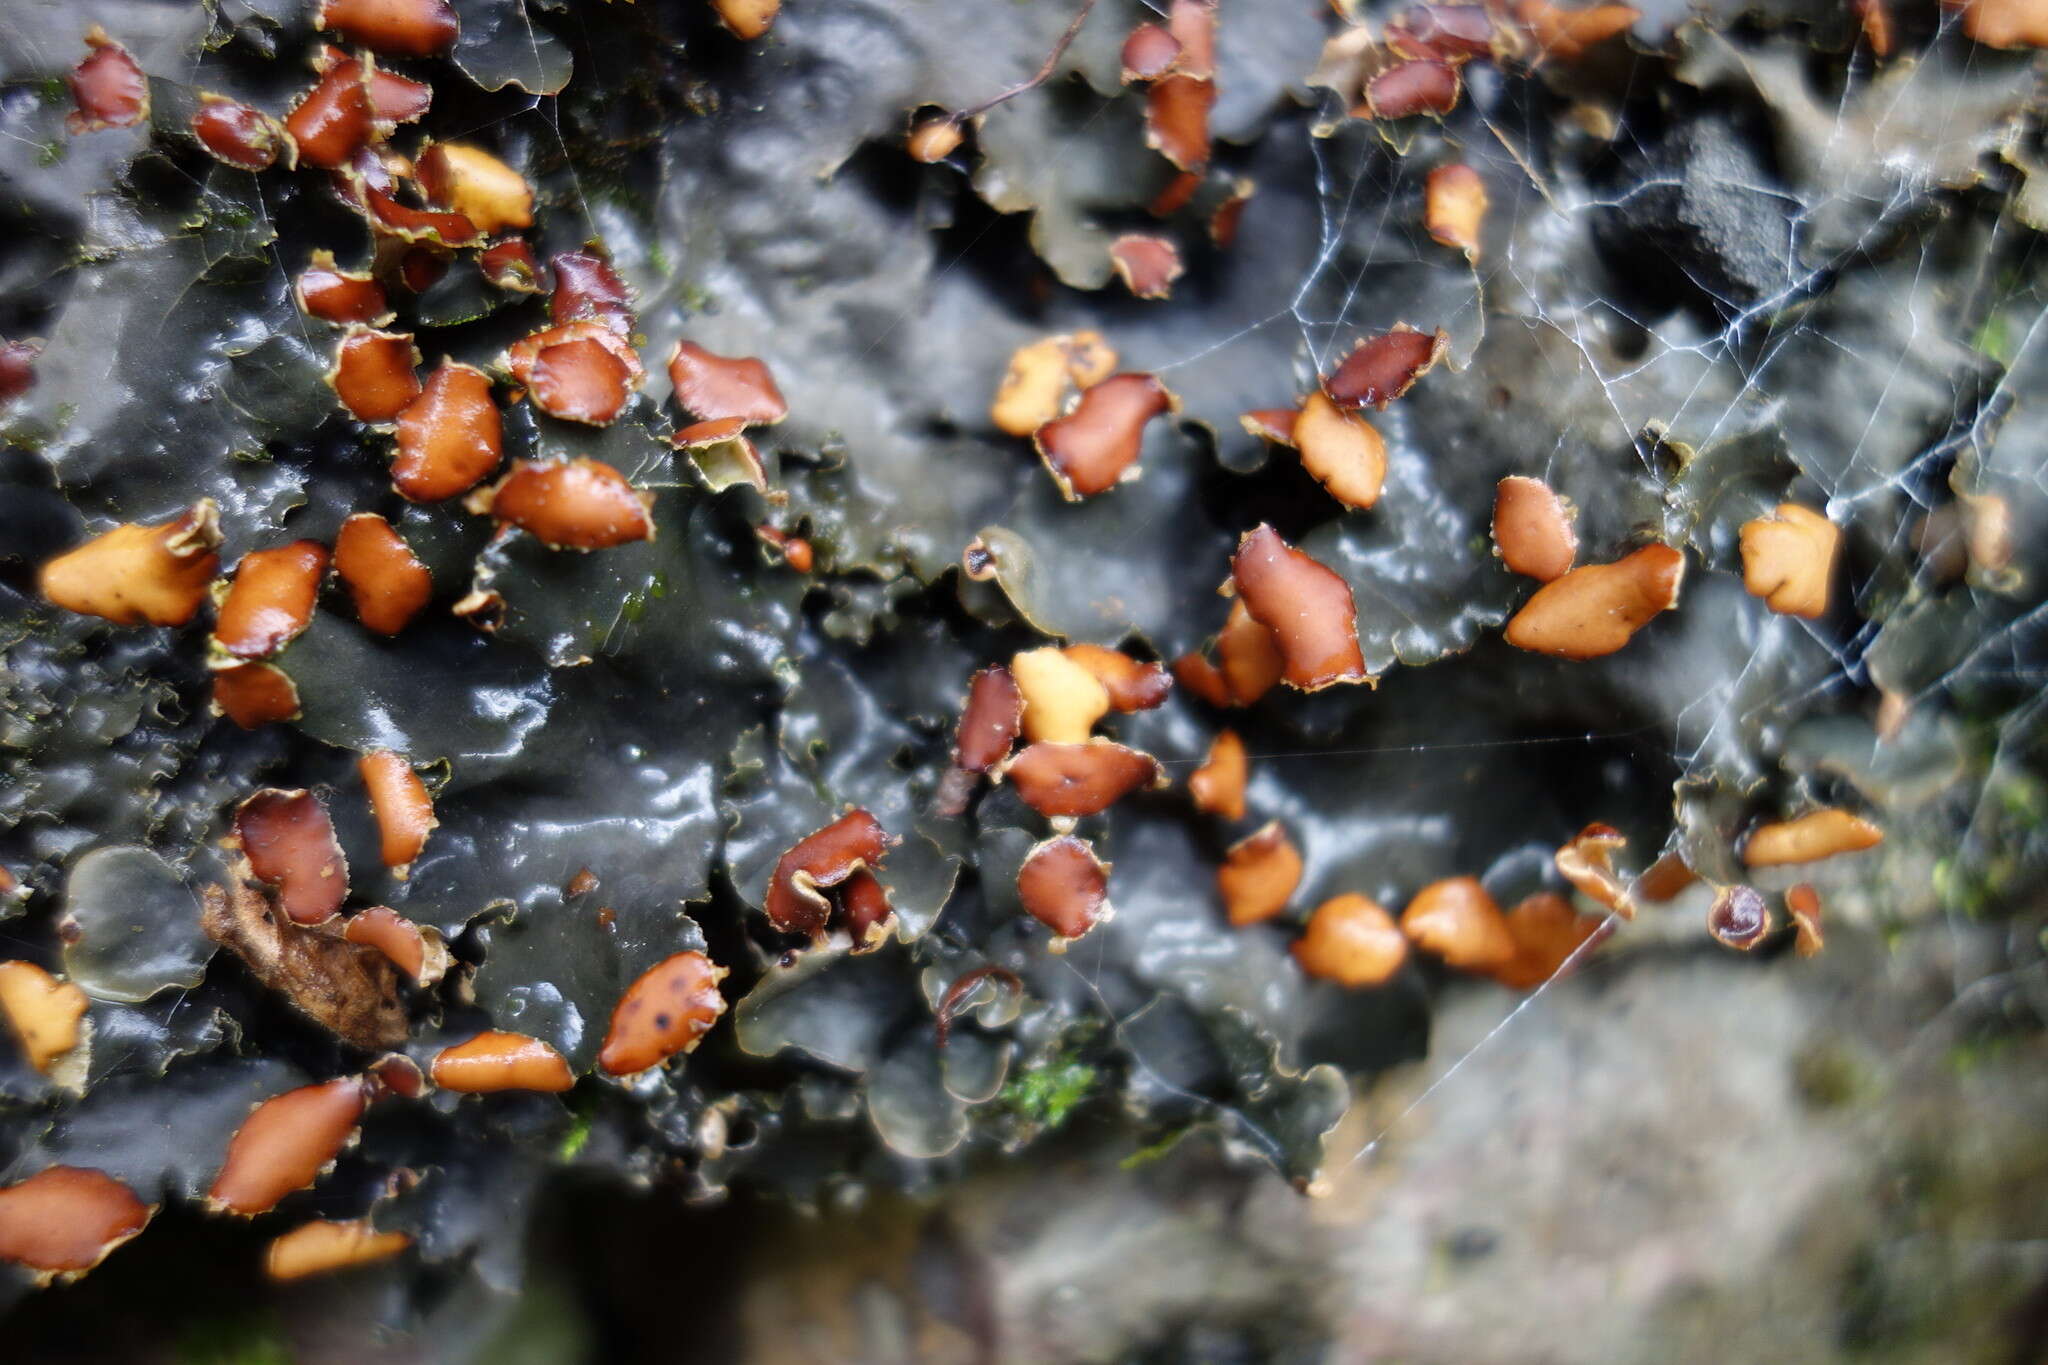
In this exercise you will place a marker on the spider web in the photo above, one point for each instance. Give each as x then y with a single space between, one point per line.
1336 301
1357 200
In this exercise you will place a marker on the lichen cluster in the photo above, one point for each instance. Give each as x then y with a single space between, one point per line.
636 587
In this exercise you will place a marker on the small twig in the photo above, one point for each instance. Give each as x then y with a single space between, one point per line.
1052 59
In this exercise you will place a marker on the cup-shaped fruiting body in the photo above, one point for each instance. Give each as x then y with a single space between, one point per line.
1043 373
1739 918
326 1245
332 121
1193 25
1250 660
1149 52
1353 941
1788 559
493 1061
1547 932
1532 529
667 1010
1178 194
1457 921
417 950
709 386
823 859
747 19
724 456
1307 607
1664 879
1132 684
586 286
42 1012
396 1074
580 504
270 600
1194 672
1177 118
108 89
17 368
1597 608
1218 785
794 551
1587 862
2002 23
510 265
450 438
1566 34
285 1144
933 137
1064 886
396 99
1224 221
1096 446
1386 365
327 292
374 375
290 844
1270 424
384 578
1810 838
136 574
1874 21
989 725
1421 86
1449 33
240 135
990 722
390 217
580 371
477 185
397 28
255 694
1062 699
1454 207
865 912
1259 875
1802 903
580 381
404 810
1059 780
1342 451
64 1220
964 996
1148 264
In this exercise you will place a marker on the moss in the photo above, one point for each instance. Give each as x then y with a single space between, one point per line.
1826 1076
1964 887
1994 339
1046 1094
253 1339
2023 798
1153 1151
579 1133
1979 1051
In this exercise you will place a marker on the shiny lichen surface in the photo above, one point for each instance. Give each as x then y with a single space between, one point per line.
1725 265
